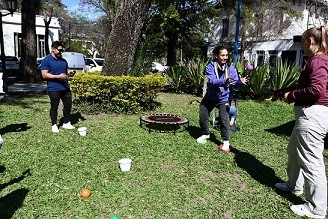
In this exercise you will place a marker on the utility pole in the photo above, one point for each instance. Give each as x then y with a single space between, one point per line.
236 45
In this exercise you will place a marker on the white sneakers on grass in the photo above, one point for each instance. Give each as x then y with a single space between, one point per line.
203 138
284 187
54 129
225 146
68 125
1 141
303 210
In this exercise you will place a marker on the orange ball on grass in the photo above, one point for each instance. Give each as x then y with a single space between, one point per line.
85 193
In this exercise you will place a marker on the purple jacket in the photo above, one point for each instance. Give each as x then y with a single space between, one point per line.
217 89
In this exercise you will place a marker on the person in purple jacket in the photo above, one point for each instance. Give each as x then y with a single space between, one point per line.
220 76
306 166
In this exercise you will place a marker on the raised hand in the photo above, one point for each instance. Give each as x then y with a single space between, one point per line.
244 80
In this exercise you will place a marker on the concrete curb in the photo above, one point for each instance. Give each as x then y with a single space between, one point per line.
27 88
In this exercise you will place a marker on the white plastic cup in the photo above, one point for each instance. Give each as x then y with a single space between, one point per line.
82 131
125 164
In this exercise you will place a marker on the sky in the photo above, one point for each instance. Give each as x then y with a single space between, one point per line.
73 5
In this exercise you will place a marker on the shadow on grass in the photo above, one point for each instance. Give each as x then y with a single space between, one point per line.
262 173
17 179
24 100
2 169
11 202
195 132
163 128
14 128
74 118
284 129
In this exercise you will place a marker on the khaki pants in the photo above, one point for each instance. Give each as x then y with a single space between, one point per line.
305 156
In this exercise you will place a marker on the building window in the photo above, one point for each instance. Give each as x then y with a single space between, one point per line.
17 44
41 46
273 54
289 56
225 27
260 57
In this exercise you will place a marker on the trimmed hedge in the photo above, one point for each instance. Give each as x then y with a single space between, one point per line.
94 93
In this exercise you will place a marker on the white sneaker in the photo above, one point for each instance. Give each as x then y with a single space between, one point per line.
68 126
225 146
202 138
284 187
232 121
303 210
1 140
54 129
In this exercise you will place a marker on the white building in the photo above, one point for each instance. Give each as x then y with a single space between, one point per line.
12 30
286 44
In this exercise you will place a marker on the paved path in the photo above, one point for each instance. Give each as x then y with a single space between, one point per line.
27 88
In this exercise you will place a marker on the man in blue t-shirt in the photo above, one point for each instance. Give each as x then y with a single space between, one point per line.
55 71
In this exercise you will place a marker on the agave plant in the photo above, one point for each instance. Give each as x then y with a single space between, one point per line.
175 77
194 76
240 67
284 75
259 79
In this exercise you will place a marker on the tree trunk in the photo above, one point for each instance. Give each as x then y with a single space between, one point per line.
171 49
123 39
46 34
27 66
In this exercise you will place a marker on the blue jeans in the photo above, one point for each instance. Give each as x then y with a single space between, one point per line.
233 112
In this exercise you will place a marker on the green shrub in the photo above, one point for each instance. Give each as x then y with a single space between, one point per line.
115 93
284 75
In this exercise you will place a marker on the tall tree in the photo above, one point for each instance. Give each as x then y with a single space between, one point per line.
93 33
27 67
50 8
103 23
178 26
123 39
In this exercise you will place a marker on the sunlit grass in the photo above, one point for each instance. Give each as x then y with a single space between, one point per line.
171 177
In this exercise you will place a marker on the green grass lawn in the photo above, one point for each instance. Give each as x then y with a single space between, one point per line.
171 176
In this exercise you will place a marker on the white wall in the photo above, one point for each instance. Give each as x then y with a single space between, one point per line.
12 24
310 18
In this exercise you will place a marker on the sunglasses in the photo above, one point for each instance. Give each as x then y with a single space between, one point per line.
60 50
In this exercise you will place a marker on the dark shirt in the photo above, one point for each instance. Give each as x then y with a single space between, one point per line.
55 66
312 87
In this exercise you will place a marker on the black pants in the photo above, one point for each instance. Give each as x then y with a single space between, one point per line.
66 98
205 108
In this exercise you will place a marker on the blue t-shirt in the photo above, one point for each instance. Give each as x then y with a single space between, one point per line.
55 66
